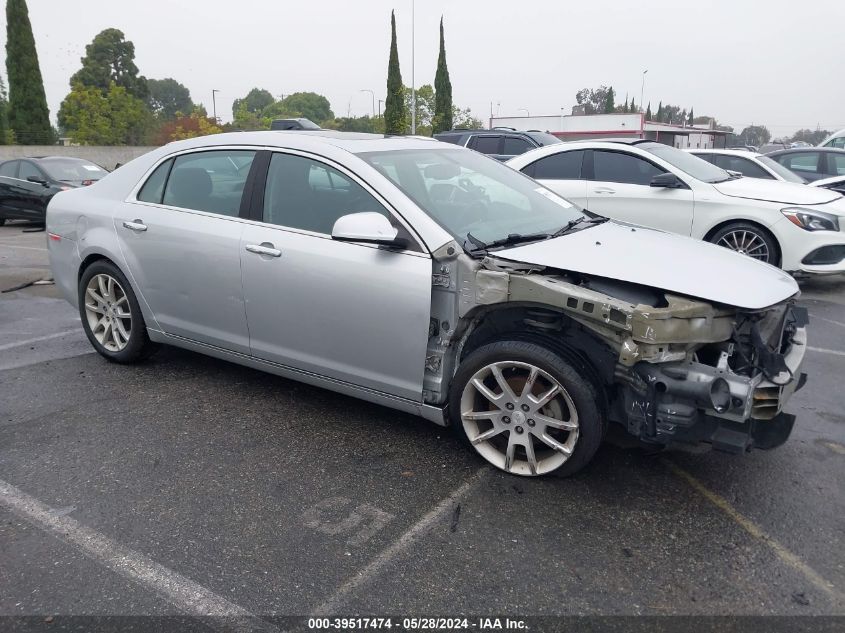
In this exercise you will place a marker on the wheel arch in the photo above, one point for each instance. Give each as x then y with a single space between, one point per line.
721 225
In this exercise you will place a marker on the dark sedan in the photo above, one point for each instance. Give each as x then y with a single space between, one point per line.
812 163
27 184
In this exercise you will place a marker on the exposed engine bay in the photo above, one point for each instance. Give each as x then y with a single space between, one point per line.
671 368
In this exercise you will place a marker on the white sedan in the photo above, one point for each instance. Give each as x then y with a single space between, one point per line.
793 226
749 164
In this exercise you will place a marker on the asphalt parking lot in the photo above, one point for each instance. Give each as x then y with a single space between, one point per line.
189 485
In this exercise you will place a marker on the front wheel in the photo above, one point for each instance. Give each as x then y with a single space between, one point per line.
111 316
526 410
748 239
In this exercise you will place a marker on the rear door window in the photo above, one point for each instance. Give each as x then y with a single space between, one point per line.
807 162
742 165
561 166
210 181
516 145
28 170
153 189
9 169
488 144
623 168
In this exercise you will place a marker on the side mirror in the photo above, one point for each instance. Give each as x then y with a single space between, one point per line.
38 180
667 181
369 227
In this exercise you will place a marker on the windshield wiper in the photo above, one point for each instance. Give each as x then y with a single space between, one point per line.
569 226
512 238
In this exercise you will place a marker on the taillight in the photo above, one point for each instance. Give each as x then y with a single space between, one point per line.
53 237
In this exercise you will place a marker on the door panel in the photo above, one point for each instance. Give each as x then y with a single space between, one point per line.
347 311
620 190
573 190
187 267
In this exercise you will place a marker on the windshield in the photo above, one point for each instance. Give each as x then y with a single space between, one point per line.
466 192
693 165
72 170
780 170
544 138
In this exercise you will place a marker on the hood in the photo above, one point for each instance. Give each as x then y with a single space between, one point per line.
670 262
774 191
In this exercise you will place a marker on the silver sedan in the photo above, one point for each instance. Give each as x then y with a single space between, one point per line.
431 279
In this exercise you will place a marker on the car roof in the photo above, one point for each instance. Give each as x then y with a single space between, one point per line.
729 151
804 150
353 142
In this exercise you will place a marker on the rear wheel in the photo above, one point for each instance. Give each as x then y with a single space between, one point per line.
525 410
111 316
748 239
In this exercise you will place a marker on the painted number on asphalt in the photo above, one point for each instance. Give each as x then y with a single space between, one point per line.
337 516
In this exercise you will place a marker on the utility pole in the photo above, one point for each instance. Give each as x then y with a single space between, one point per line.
214 104
642 87
413 83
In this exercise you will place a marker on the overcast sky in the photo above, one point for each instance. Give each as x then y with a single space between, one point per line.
776 62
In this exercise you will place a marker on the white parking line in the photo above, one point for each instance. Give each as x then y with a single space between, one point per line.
181 592
333 604
824 350
840 324
26 248
38 339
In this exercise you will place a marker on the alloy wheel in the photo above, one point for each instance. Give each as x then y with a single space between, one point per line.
519 418
746 242
108 312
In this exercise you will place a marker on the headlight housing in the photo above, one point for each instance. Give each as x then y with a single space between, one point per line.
811 219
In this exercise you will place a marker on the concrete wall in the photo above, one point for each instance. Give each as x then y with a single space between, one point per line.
108 157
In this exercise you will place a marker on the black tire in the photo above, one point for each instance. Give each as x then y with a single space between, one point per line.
2 221
139 346
580 389
724 234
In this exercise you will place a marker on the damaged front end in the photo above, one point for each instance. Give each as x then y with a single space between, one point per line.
671 368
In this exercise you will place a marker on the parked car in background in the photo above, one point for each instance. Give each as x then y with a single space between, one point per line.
836 183
837 139
812 163
28 184
500 143
428 278
750 164
293 124
772 147
793 226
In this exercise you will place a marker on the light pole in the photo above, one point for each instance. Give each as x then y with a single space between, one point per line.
373 95
642 88
413 83
561 118
380 101
214 103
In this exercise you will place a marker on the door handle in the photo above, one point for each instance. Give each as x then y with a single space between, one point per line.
265 248
136 225
606 190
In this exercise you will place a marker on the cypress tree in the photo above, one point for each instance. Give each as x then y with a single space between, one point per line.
691 118
633 105
442 90
648 112
609 105
395 115
4 112
29 117
660 112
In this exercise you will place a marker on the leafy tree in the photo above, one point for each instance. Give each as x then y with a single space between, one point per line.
426 105
442 120
93 117
254 102
755 135
307 104
593 100
813 137
110 58
648 112
464 119
168 98
395 113
28 115
198 123
365 123
690 117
